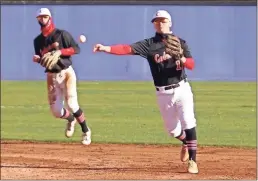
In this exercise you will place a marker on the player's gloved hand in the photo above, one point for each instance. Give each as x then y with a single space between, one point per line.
173 47
50 59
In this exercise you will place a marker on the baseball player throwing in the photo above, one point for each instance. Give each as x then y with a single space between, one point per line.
168 56
53 50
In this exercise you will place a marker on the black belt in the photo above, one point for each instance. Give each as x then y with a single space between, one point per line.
173 86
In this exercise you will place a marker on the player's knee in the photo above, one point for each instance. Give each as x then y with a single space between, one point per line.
175 132
189 123
72 103
190 126
56 111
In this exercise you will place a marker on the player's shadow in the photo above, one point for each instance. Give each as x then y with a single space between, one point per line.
91 168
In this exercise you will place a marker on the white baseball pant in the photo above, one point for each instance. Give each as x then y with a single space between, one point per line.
62 90
177 108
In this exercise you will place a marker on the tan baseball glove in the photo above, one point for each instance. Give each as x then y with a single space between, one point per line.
173 46
50 59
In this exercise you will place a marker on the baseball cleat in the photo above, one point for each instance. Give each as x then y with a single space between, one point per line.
70 128
192 167
86 137
184 156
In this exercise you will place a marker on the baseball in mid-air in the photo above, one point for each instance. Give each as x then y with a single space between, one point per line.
82 38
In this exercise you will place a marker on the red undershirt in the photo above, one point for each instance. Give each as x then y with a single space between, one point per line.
68 51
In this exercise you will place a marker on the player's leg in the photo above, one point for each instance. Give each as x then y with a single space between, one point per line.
72 103
169 114
185 108
184 155
56 101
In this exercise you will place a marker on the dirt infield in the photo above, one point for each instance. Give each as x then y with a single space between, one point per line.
28 160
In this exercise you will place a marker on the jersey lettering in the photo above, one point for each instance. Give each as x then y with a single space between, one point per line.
159 58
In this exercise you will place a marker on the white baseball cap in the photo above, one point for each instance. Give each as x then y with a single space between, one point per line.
161 14
43 11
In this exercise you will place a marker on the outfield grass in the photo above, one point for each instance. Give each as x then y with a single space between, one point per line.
126 112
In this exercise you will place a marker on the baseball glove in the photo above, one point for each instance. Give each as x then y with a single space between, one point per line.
50 59
173 46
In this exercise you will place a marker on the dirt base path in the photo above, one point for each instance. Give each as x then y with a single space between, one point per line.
28 160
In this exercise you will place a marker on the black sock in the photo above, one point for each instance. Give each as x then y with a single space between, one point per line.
191 141
70 118
84 127
81 120
182 137
67 115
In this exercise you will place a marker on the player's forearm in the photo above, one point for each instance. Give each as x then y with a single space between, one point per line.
188 62
70 51
67 51
119 49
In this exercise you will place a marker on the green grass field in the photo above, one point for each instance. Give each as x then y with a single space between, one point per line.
126 112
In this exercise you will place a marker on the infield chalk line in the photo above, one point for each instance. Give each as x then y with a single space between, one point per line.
101 106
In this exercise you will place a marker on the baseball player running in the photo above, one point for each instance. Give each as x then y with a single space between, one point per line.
53 50
168 56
